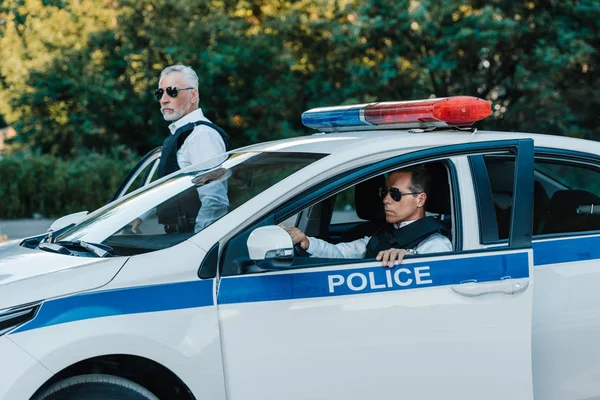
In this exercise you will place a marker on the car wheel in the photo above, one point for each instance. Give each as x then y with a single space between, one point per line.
96 387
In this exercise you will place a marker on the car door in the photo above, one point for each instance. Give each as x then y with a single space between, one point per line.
566 245
449 325
142 174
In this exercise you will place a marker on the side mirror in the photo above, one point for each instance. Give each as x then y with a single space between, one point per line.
68 220
270 242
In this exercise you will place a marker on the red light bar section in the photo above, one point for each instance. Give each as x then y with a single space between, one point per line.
454 111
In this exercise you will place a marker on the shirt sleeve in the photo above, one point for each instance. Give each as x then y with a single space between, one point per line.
205 143
215 204
322 249
435 243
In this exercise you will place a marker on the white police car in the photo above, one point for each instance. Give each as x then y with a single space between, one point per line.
230 312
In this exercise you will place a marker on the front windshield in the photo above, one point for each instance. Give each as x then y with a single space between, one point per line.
179 207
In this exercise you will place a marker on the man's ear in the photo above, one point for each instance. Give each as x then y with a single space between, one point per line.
195 96
422 198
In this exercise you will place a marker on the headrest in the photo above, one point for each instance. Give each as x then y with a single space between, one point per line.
438 198
562 212
369 205
566 202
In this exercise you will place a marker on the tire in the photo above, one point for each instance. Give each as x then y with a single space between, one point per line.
96 387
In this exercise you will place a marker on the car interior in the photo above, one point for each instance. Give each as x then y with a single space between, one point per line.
555 205
318 220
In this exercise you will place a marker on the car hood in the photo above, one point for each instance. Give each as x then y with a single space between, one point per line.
28 275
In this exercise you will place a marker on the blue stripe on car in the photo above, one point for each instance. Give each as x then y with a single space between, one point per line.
566 250
256 288
271 287
172 296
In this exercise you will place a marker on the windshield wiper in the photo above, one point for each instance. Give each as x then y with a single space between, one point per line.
98 249
54 248
101 250
46 237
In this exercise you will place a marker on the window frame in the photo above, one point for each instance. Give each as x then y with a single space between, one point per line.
547 153
336 184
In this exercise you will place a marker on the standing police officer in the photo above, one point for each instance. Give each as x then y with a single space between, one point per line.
192 140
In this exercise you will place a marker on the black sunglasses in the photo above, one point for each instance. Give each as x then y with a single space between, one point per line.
172 91
395 193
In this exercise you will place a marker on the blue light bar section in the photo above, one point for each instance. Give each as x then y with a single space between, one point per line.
332 117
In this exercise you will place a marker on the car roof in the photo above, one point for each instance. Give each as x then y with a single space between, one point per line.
377 141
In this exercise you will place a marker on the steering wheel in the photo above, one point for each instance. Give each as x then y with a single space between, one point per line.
299 251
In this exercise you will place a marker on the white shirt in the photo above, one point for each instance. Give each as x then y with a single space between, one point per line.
202 144
436 243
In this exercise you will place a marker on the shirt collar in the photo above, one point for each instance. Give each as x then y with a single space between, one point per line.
194 116
403 224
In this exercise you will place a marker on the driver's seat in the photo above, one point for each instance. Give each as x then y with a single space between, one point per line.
369 207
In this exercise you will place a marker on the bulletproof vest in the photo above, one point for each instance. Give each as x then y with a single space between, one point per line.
178 214
407 237
168 156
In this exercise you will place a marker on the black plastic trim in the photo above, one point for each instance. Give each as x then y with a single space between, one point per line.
208 268
458 211
488 224
521 225
572 154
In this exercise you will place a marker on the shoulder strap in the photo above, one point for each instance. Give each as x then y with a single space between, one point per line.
188 128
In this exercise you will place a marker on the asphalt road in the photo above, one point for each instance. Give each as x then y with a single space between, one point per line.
20 228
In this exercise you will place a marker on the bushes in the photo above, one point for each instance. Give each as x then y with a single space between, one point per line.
55 187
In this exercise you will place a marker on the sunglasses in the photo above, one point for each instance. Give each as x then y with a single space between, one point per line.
395 193
172 91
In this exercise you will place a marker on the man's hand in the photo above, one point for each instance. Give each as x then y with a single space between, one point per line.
298 237
136 224
391 257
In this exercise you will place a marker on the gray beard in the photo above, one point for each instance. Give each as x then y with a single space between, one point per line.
173 117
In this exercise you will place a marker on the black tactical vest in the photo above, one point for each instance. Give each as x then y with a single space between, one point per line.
178 214
407 237
168 156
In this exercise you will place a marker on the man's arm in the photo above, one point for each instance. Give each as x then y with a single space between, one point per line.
435 243
205 143
322 249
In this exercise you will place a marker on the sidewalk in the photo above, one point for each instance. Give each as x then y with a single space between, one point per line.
20 228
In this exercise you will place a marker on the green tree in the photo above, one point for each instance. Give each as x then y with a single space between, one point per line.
78 74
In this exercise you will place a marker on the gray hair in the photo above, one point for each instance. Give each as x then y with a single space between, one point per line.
188 73
420 180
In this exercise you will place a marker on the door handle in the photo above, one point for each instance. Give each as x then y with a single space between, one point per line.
504 286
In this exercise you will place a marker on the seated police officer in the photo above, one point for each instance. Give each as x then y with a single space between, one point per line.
408 230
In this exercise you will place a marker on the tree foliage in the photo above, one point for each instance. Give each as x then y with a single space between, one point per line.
79 74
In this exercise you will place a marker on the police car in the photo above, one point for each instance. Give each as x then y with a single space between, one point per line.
233 311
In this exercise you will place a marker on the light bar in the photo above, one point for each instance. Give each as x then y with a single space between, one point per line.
456 111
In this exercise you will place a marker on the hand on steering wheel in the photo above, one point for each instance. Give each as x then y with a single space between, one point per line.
300 241
299 251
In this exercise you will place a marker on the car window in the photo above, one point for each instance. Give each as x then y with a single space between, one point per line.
139 180
573 177
315 220
344 209
141 176
562 190
189 202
